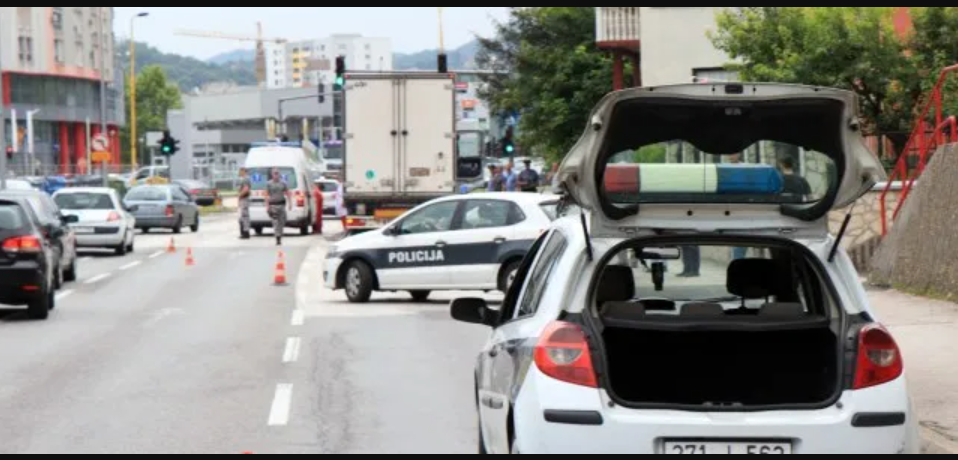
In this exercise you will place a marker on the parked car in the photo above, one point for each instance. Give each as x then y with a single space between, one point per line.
53 223
764 344
162 206
29 257
203 194
328 188
102 219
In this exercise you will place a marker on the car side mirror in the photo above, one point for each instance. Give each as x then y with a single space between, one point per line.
392 231
133 208
474 311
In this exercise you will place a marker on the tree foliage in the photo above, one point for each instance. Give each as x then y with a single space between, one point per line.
155 96
854 48
188 73
549 71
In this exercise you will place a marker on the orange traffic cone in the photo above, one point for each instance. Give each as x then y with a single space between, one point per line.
280 278
172 248
189 258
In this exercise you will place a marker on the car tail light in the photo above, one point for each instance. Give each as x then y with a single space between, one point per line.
23 245
169 211
113 217
563 354
879 358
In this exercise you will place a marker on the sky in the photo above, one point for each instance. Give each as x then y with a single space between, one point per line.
410 28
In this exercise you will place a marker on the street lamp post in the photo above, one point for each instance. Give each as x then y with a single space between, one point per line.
133 134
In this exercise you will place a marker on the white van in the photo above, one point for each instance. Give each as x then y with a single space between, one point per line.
294 166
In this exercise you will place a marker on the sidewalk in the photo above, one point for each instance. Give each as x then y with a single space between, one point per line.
927 332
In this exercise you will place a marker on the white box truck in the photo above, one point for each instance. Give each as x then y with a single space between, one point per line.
400 142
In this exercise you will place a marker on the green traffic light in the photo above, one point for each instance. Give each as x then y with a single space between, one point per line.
340 81
510 149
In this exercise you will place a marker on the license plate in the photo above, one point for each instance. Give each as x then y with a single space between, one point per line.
84 231
727 448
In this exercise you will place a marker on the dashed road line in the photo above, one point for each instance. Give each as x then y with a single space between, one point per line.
282 401
97 279
157 254
299 318
64 294
291 353
130 265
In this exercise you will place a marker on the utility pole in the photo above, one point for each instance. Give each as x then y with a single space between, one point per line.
31 154
103 74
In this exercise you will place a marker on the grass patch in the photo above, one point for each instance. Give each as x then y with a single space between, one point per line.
214 210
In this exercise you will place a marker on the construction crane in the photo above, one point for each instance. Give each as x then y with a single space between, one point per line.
260 45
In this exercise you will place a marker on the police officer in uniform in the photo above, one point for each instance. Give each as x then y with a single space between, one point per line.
280 199
245 190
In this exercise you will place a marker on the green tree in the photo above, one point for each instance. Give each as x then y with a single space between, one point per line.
854 48
549 70
155 96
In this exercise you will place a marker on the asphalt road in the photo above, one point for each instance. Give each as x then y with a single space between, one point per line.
145 354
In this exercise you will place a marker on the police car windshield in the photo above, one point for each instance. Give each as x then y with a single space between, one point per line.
261 176
328 187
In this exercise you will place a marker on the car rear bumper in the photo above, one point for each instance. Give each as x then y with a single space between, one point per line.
627 431
101 241
259 217
156 222
13 280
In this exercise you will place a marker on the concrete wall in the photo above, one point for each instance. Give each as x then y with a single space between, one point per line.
674 43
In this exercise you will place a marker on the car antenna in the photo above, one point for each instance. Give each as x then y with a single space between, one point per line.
588 239
841 234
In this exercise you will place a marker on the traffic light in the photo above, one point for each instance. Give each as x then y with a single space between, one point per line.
168 145
340 73
509 143
322 93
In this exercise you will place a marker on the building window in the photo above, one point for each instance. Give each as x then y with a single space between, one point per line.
368 57
26 50
369 47
58 51
57 18
93 64
80 54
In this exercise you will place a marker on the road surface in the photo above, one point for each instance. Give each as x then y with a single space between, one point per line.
145 354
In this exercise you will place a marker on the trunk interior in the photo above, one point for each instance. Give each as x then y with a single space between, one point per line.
722 368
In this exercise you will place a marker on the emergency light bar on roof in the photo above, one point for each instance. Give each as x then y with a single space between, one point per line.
682 179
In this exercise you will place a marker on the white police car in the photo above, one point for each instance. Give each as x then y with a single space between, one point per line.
463 242
703 307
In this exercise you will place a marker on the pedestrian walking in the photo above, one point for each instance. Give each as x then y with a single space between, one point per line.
280 200
495 179
245 192
529 179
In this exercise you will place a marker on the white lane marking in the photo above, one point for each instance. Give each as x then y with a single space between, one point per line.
86 259
64 295
157 254
160 315
299 318
130 265
97 279
291 354
279 413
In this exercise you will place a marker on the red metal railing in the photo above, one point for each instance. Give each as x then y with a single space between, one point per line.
922 144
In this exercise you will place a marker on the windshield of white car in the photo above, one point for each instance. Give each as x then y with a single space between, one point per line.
84 202
262 176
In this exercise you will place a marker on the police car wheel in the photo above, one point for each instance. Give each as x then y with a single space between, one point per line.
420 296
508 275
359 282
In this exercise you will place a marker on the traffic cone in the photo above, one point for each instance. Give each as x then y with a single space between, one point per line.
172 248
189 258
280 277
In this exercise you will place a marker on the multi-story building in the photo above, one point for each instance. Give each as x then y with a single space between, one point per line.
309 63
53 60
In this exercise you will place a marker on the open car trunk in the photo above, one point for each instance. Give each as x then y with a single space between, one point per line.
730 369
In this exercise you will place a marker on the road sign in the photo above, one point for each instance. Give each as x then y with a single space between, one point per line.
100 143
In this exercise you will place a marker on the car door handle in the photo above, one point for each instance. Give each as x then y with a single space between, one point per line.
500 240
492 403
440 244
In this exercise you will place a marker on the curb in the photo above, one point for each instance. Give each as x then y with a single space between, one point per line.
934 443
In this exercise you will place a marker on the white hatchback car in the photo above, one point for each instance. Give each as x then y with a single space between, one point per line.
461 242
698 304
103 220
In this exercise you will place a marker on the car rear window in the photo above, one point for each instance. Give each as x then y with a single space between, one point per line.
84 202
11 217
747 153
328 187
148 194
261 176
